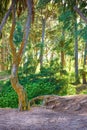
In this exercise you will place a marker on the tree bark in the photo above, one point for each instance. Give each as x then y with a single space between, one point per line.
62 58
22 95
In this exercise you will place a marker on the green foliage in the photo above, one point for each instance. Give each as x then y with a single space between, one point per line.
61 87
47 72
66 17
29 66
83 33
42 3
44 83
40 87
71 90
39 84
8 97
18 34
83 6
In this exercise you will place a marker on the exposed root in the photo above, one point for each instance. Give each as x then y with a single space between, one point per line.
45 99
71 104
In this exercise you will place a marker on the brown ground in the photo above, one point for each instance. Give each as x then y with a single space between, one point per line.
60 113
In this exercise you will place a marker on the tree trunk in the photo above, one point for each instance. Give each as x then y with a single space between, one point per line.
76 53
85 63
2 58
62 52
85 54
17 56
84 77
62 57
42 42
22 96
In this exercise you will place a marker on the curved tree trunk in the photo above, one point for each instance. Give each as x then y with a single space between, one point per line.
22 95
17 56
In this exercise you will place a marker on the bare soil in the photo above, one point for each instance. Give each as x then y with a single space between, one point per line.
60 113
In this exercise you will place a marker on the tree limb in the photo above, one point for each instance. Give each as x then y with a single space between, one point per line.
80 13
12 46
5 17
27 29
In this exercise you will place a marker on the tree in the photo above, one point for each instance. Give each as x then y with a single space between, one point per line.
17 56
42 42
76 51
85 19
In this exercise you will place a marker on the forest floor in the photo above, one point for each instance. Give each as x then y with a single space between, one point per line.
59 113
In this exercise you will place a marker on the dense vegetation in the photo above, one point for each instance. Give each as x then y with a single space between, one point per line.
55 59
44 83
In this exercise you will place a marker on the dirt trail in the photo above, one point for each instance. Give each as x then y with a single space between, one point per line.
60 113
41 119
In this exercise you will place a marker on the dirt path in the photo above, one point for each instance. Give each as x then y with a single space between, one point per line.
41 119
59 113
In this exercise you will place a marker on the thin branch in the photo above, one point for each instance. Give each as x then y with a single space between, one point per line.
13 48
5 17
80 13
27 29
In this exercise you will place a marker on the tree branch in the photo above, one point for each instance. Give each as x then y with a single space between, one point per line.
13 48
80 13
5 17
27 29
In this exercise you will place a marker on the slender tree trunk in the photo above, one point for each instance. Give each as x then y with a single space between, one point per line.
84 77
2 58
62 56
63 40
85 54
85 63
46 53
42 43
62 52
69 64
76 52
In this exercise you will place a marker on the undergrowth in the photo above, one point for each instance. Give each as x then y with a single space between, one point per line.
35 85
